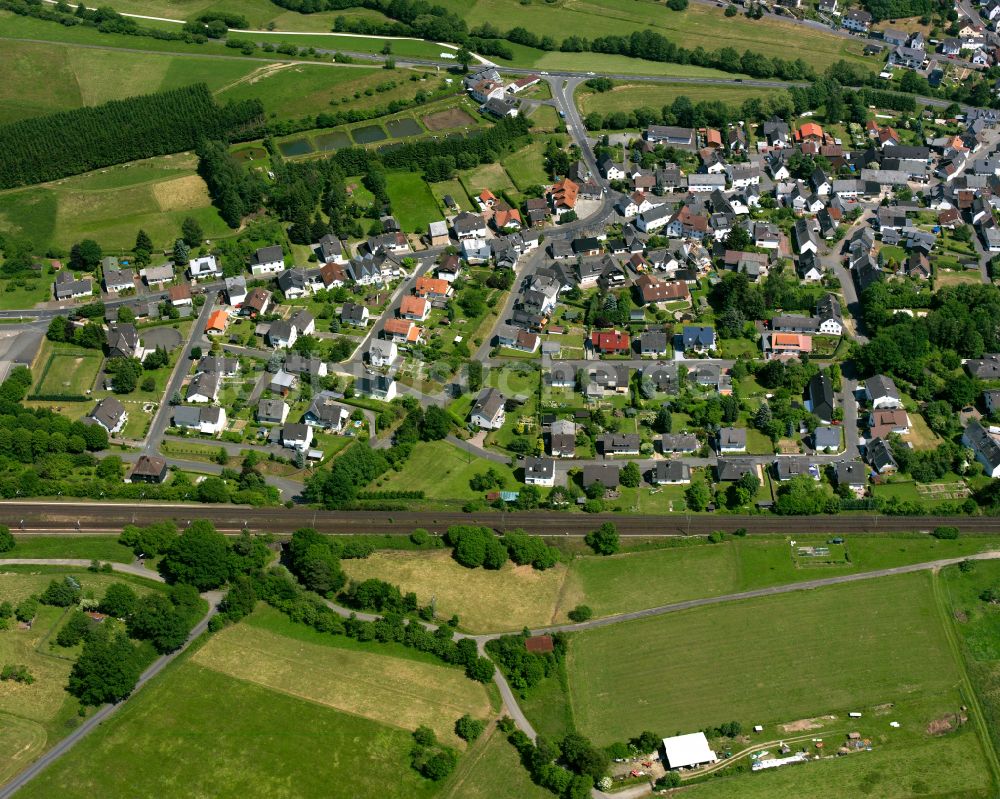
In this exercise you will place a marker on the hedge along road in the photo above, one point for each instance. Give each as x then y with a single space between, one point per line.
509 700
105 712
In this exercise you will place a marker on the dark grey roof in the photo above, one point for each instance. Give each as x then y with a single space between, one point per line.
732 437
790 466
983 443
679 442
821 396
881 386
325 409
671 472
539 468
606 474
270 409
108 413
853 473
611 443
729 470
880 455
488 403
266 255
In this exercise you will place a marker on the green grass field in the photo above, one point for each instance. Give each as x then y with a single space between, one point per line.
202 733
441 471
527 166
111 205
413 203
101 547
69 371
629 96
492 770
775 659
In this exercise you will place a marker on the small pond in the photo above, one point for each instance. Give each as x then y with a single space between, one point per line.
335 140
295 147
403 127
368 134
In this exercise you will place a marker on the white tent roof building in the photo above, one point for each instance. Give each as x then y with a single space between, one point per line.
687 751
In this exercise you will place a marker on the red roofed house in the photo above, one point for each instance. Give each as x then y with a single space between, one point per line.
432 288
610 342
507 219
783 346
809 131
713 138
562 196
415 308
217 323
401 331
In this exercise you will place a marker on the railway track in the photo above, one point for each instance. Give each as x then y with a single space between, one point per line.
46 518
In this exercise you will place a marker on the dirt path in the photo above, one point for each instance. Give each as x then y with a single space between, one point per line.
258 74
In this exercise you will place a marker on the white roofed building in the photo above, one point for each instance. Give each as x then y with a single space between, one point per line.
687 751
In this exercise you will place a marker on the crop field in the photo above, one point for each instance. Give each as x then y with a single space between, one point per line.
201 733
629 96
110 205
763 660
401 693
485 600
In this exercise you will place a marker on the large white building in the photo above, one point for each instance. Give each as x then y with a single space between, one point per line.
687 751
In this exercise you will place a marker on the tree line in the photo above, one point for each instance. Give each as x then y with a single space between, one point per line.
70 142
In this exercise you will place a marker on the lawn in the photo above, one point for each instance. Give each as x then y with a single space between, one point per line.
485 600
629 96
25 292
442 472
456 191
225 738
392 691
526 167
487 176
412 201
545 117
111 204
86 547
800 654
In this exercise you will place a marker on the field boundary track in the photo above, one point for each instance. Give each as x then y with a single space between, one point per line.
53 517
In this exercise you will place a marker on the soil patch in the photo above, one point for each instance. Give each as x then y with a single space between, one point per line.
946 723
451 118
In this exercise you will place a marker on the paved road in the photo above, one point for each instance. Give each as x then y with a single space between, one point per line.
105 712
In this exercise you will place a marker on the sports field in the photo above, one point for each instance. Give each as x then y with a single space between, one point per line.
71 373
393 691
761 661
485 600
110 205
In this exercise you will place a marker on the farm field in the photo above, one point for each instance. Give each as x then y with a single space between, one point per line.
700 25
900 653
629 96
110 205
388 690
485 600
231 739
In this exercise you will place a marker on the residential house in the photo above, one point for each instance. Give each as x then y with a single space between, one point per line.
611 444
785 346
401 331
110 414
204 387
653 343
698 338
330 250
882 421
562 196
272 411
730 470
607 474
488 412
257 303
433 288
282 334
857 21
69 288
539 471
468 226
827 438
296 436
671 473
118 280
880 456
805 236
304 322
985 368
205 266
821 397
304 365
731 440
881 392
610 342
282 383
124 341
157 276
672 136
218 321
789 467
437 233
830 320
236 290
148 469
652 290
267 260
224 367
180 295
352 313
380 387
325 412
679 443
414 308
205 419
852 474
562 439
292 283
